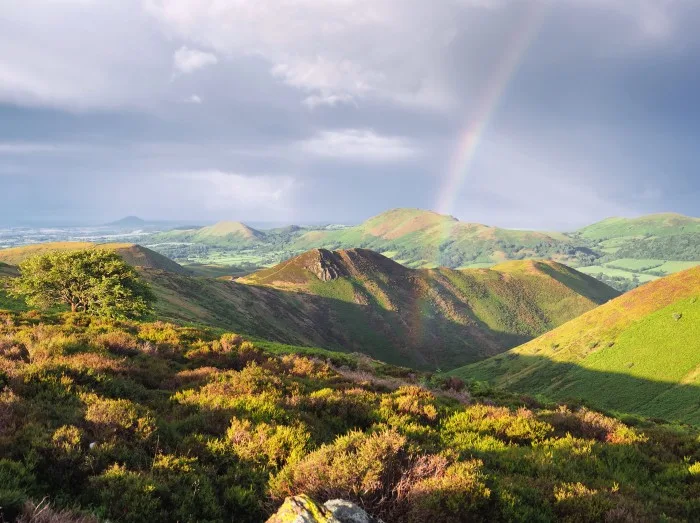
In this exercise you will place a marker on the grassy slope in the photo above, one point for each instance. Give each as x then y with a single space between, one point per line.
428 317
639 353
230 234
133 254
650 225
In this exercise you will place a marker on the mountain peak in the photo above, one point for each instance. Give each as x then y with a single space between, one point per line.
326 265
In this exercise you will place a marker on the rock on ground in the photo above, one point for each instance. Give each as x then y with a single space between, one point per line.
303 509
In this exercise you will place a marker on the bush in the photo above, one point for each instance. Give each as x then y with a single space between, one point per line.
16 483
359 467
271 446
118 418
519 427
458 493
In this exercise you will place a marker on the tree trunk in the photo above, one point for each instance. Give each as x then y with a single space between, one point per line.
73 307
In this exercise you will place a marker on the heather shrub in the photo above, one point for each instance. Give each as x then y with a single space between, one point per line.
515 427
338 410
124 495
412 400
163 335
16 484
118 342
357 466
577 502
268 445
117 418
457 493
157 422
586 423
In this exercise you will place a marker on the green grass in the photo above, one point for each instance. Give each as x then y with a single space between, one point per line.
594 270
670 267
634 265
638 354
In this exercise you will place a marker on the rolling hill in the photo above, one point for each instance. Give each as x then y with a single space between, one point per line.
230 234
421 238
632 251
360 301
622 252
639 354
133 254
663 224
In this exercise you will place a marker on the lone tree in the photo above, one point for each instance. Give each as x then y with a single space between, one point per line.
94 281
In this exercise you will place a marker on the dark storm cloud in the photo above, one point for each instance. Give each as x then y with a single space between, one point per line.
333 111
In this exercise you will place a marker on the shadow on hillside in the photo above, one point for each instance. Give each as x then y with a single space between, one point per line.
614 391
417 337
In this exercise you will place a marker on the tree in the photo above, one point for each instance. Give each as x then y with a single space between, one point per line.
94 281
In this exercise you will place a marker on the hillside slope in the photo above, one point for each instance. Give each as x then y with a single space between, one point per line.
358 300
133 254
133 422
664 224
639 353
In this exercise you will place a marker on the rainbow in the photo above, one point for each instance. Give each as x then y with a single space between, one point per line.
468 143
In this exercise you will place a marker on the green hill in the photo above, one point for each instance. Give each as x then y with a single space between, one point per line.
427 239
621 252
226 234
133 254
358 300
664 224
639 353
631 251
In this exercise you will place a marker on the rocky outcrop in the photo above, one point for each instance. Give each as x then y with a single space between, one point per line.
303 509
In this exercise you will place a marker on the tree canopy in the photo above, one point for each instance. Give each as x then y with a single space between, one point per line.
94 281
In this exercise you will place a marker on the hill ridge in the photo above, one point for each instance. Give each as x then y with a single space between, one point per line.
132 253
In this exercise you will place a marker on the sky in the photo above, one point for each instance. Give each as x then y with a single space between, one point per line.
543 114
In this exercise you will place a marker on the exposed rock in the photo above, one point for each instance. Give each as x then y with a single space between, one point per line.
349 512
302 509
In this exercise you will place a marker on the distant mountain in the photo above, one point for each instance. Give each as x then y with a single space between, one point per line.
133 254
128 221
357 300
639 353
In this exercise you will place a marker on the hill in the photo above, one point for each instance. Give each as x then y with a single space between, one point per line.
639 353
663 224
359 300
133 254
632 251
128 221
427 239
132 422
222 234
621 252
